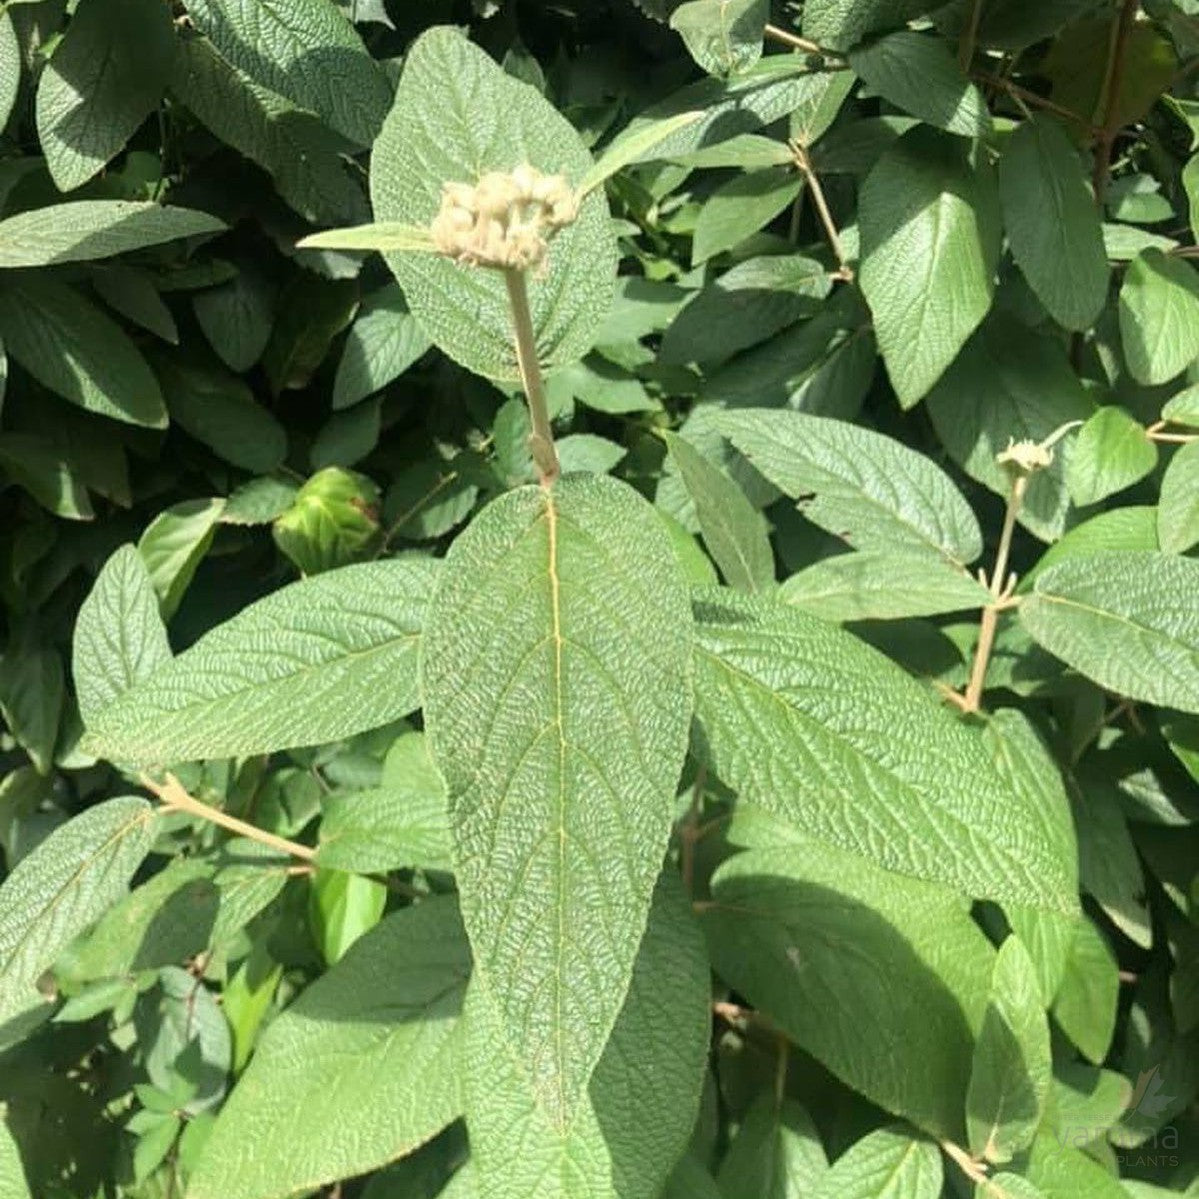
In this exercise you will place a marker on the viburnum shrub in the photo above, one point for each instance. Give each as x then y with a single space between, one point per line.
696 758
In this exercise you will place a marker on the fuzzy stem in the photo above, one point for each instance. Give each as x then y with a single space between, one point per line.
990 616
804 163
541 442
973 1169
175 798
787 38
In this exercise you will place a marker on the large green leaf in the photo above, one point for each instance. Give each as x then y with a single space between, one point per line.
1013 1064
317 660
173 545
811 723
1178 508
56 891
886 1164
877 585
741 207
1111 452
1127 621
870 490
765 93
641 1104
991 397
747 305
120 639
1052 223
919 75
165 921
31 697
87 229
71 347
383 343
402 822
219 409
103 80
360 1070
306 51
457 116
733 530
799 928
723 36
930 242
1159 316
839 24
556 668
304 157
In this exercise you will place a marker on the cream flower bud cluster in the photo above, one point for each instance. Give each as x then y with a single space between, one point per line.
504 220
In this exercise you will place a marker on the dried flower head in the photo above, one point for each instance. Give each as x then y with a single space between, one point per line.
505 220
1028 457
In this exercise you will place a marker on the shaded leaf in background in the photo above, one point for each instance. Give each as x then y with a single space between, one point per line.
739 208
383 343
1062 258
920 76
776 927
219 410
106 75
31 696
71 347
172 546
734 532
308 53
723 36
302 156
236 317
381 1026
990 397
55 892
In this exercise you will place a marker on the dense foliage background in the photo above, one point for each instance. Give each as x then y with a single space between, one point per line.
947 230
